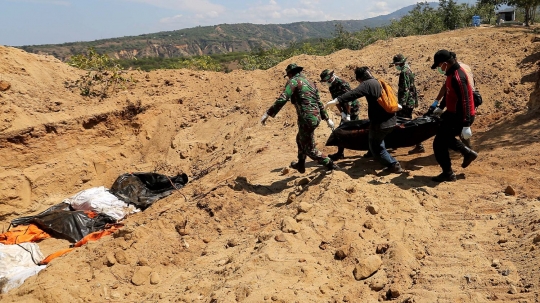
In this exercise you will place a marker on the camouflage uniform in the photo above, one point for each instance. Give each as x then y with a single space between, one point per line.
338 88
305 98
407 95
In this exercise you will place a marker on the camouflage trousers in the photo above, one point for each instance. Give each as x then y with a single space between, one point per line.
305 140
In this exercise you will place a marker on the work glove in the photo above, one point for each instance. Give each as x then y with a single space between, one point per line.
438 111
335 101
330 123
264 118
345 117
399 107
466 133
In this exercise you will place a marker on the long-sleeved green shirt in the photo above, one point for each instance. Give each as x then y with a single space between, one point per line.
305 98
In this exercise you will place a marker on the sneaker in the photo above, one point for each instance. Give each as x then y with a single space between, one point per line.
418 149
300 166
336 156
445 177
395 168
331 166
470 156
368 154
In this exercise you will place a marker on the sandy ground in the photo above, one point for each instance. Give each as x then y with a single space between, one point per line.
255 234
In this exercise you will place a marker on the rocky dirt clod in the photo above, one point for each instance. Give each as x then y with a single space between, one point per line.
366 267
141 275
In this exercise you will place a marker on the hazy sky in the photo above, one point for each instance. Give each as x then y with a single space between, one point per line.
27 22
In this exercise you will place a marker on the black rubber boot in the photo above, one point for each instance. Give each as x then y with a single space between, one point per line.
418 149
331 165
336 156
445 177
469 155
300 166
467 142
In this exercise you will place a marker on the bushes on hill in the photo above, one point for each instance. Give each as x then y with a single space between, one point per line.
199 63
103 74
424 19
195 63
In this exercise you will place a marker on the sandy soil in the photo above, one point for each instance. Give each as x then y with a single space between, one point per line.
255 234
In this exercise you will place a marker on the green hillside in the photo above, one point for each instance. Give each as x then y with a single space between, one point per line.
207 40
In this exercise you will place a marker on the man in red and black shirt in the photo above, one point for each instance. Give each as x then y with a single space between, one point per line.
458 117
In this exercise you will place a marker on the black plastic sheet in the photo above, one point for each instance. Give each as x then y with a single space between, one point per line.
71 225
28 220
61 222
143 189
140 189
355 134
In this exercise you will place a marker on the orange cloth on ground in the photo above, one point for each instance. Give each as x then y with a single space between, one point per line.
97 235
90 237
23 233
55 255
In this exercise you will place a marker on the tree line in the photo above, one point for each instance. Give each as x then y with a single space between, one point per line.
424 19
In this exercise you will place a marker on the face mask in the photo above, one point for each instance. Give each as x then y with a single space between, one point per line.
330 81
399 68
440 70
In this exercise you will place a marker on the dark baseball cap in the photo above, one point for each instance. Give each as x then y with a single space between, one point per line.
440 57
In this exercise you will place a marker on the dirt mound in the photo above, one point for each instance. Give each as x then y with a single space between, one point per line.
254 233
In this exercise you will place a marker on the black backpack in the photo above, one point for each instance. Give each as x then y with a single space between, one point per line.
477 98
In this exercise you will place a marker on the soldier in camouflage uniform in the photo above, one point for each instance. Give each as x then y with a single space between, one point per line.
407 95
305 97
349 111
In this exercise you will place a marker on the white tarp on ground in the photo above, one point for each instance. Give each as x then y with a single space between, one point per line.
100 200
18 263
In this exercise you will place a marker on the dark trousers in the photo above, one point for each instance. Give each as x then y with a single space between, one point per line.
376 144
445 139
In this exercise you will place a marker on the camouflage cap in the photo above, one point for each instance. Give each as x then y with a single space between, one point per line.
292 68
399 59
326 75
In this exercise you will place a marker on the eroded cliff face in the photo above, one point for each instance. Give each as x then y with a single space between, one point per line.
189 42
190 49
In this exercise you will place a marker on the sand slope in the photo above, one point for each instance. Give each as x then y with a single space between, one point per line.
460 242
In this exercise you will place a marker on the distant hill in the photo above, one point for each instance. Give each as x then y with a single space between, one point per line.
205 40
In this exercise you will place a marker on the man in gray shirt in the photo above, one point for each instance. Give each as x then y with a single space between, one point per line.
381 122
